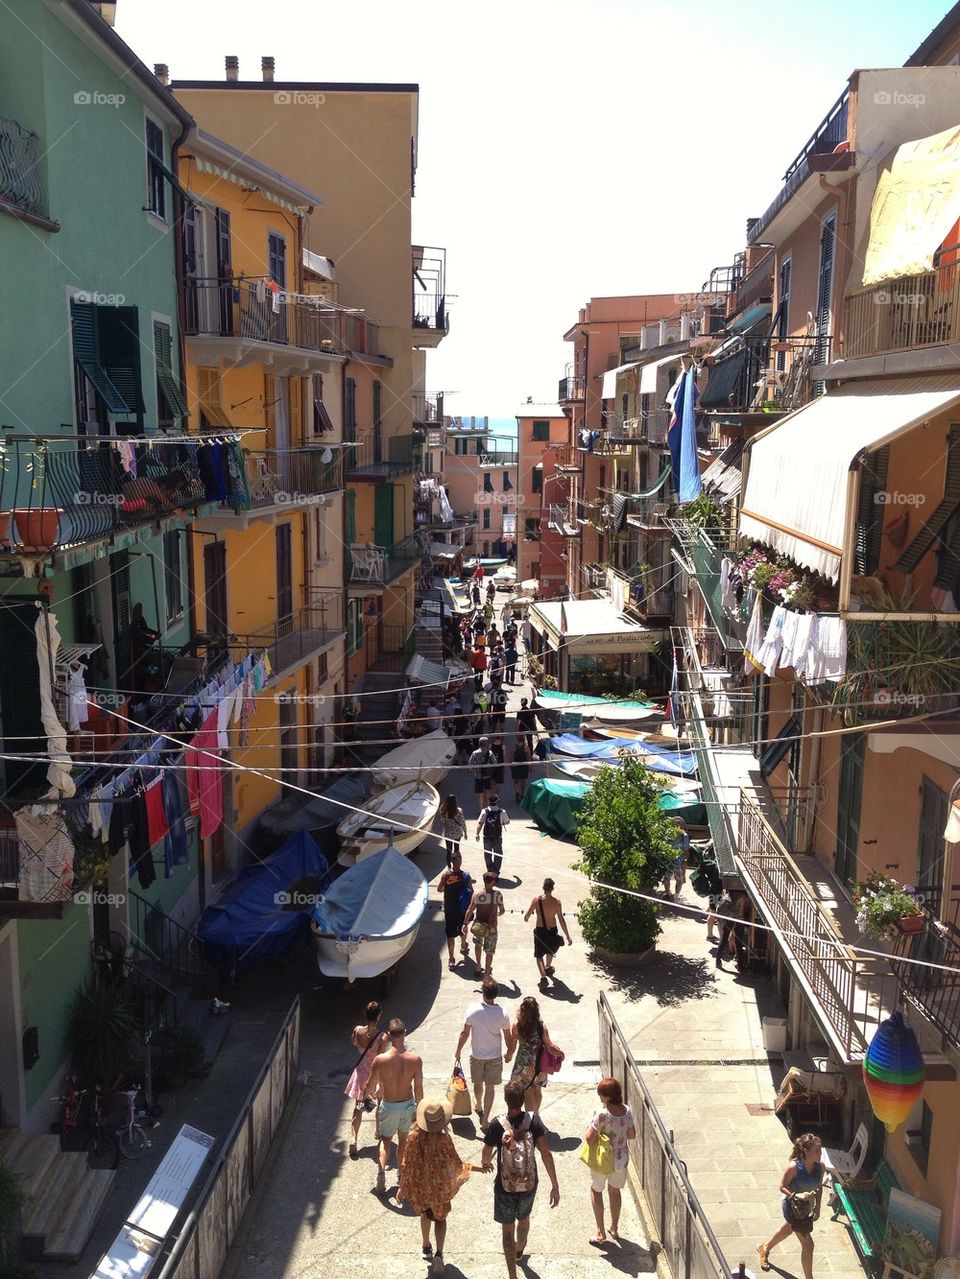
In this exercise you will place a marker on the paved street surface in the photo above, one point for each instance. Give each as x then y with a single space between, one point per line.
699 1030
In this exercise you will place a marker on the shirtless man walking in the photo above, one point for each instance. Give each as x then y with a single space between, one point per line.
546 936
399 1074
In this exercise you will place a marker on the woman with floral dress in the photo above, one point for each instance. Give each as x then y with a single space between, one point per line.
431 1174
368 1041
529 1036
615 1121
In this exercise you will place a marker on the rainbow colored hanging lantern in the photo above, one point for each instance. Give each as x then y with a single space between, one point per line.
893 1072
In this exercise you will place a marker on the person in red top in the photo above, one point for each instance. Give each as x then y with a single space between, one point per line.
478 572
478 660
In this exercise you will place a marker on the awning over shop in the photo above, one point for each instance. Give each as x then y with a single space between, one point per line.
609 389
591 626
649 372
915 205
797 478
722 478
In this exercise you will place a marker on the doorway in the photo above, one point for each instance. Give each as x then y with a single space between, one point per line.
215 591
848 807
383 515
284 579
933 819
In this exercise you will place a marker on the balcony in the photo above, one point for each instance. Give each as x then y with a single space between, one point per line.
849 994
246 322
294 640
374 458
820 154
22 193
902 315
765 377
702 549
935 992
64 491
561 519
378 566
431 320
428 409
648 513
568 458
572 389
496 459
901 669
280 481
654 425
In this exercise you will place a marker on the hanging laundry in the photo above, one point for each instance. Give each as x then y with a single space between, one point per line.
119 821
77 710
728 599
45 854
156 817
260 291
238 491
224 708
754 640
176 851
832 645
138 837
803 652
213 472
127 452
204 780
788 635
770 649
101 810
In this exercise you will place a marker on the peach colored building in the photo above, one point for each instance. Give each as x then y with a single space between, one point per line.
542 429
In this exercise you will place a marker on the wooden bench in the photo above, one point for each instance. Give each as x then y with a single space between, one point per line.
866 1208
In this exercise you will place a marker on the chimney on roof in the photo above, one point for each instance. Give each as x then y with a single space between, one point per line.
266 66
162 72
232 63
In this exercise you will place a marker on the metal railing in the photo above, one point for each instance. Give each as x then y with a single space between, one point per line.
176 951
935 991
65 490
654 425
249 310
426 408
691 1248
561 518
299 635
853 994
21 183
568 458
374 456
278 477
899 315
898 669
379 565
828 135
572 389
497 458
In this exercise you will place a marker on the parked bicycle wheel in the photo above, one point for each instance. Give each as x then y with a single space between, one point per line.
102 1150
133 1141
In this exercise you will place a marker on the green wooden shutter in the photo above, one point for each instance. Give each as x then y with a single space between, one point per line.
86 353
163 352
351 517
870 512
118 330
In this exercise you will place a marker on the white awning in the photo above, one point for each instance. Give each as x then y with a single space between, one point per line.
609 389
591 626
797 477
914 207
649 372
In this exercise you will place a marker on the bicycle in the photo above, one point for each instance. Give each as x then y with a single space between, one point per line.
103 1151
72 1123
130 1136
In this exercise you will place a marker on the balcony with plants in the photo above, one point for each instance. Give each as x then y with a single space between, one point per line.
936 939
60 491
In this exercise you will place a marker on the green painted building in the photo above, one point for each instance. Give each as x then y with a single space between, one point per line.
97 484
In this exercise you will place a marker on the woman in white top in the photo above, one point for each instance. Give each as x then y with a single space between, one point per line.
617 1122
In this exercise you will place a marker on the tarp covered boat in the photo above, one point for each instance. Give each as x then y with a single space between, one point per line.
659 759
267 908
555 805
427 759
369 918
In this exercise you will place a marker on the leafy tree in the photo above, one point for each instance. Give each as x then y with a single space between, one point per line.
626 841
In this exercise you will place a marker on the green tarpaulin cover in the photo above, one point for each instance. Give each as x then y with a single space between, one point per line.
555 805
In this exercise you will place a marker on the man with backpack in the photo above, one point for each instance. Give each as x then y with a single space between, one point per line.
482 918
490 825
514 1138
483 761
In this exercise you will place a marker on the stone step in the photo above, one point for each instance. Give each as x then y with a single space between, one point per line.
44 1211
32 1160
69 1237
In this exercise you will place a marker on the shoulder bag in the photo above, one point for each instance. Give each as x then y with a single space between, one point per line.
598 1155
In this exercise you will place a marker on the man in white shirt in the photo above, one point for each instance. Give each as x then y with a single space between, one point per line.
485 1025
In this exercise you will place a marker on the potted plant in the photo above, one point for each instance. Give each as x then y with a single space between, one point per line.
180 1054
886 907
103 1032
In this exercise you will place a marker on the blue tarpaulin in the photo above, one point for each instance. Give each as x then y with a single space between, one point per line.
660 759
252 922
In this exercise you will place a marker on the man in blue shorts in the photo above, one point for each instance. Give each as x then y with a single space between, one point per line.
399 1075
515 1137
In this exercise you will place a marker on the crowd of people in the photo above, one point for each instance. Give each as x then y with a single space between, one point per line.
388 1077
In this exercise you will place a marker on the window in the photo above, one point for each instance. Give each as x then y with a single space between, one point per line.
173 575
321 538
277 258
170 402
322 672
321 418
156 175
541 431
536 480
487 482
783 312
825 292
350 410
377 422
106 354
486 517
505 484
624 406
212 415
354 625
531 528
461 447
289 736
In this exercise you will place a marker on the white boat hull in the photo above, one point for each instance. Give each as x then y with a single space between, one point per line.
426 759
366 958
375 841
401 816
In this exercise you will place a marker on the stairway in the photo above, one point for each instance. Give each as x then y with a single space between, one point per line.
379 708
64 1198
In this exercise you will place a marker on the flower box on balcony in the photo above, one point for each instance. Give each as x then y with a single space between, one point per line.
910 923
885 908
38 528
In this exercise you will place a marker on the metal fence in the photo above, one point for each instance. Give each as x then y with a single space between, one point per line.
205 1239
21 180
689 1244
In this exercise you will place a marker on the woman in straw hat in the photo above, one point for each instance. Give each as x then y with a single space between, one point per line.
432 1173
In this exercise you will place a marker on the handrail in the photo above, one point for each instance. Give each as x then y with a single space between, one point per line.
176 945
696 1211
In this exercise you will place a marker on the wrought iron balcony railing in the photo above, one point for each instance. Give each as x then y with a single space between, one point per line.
572 389
899 315
379 565
21 183
292 477
426 408
65 490
250 311
900 669
935 990
300 635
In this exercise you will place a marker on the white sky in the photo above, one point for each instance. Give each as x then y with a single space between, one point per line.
568 148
